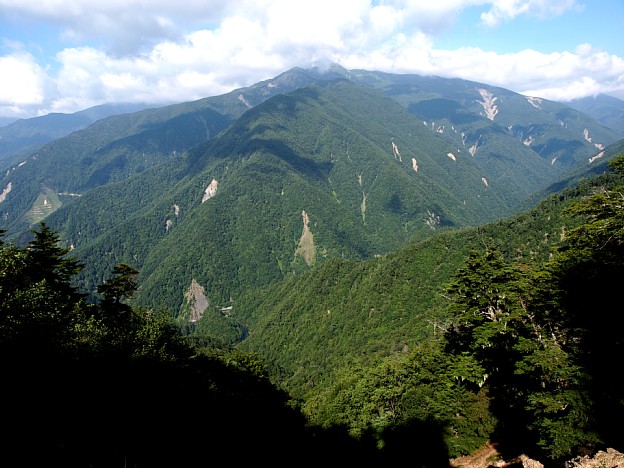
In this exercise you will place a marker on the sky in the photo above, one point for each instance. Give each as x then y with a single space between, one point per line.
68 55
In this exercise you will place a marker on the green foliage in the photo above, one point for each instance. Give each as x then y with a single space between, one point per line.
534 331
85 390
120 287
508 320
88 389
37 299
420 386
327 150
517 355
617 165
48 260
318 151
357 312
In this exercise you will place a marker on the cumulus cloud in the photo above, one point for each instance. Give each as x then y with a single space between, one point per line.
20 80
23 84
505 10
157 51
120 26
585 72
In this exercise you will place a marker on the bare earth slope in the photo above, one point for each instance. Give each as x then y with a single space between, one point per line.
488 457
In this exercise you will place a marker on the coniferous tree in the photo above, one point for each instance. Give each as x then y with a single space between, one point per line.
115 291
589 270
37 297
81 392
546 334
50 262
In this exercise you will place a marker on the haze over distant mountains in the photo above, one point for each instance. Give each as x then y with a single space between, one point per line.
607 110
19 137
238 190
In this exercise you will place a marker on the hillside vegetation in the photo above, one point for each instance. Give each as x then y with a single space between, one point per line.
491 332
19 139
350 311
316 150
384 258
519 357
241 190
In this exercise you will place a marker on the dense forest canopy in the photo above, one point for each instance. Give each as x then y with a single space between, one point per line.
528 358
105 384
529 361
108 385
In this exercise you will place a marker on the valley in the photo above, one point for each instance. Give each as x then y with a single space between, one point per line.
383 244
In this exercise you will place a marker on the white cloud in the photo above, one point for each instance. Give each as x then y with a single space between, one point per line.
121 26
23 84
21 80
585 72
505 10
160 51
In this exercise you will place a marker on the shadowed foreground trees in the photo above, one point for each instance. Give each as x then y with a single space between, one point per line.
548 337
530 360
106 385
109 386
530 363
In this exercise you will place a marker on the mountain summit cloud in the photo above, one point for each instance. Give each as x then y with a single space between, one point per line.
63 56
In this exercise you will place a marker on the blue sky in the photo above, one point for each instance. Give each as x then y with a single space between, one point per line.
597 22
67 55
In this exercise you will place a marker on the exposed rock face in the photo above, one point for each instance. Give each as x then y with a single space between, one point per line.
211 190
433 220
530 463
363 207
196 300
395 152
5 192
609 459
535 102
598 156
488 457
306 244
491 109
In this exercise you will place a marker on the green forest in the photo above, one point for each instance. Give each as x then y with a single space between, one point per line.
517 346
527 358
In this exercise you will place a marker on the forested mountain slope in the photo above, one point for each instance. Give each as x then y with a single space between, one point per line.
119 146
110 386
20 138
347 312
572 176
301 178
493 125
517 356
232 192
369 257
492 122
505 311
606 109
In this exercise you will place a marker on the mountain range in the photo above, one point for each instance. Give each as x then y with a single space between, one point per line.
607 110
350 311
214 197
21 137
417 265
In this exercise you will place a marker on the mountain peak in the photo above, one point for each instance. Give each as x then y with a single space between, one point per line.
608 110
